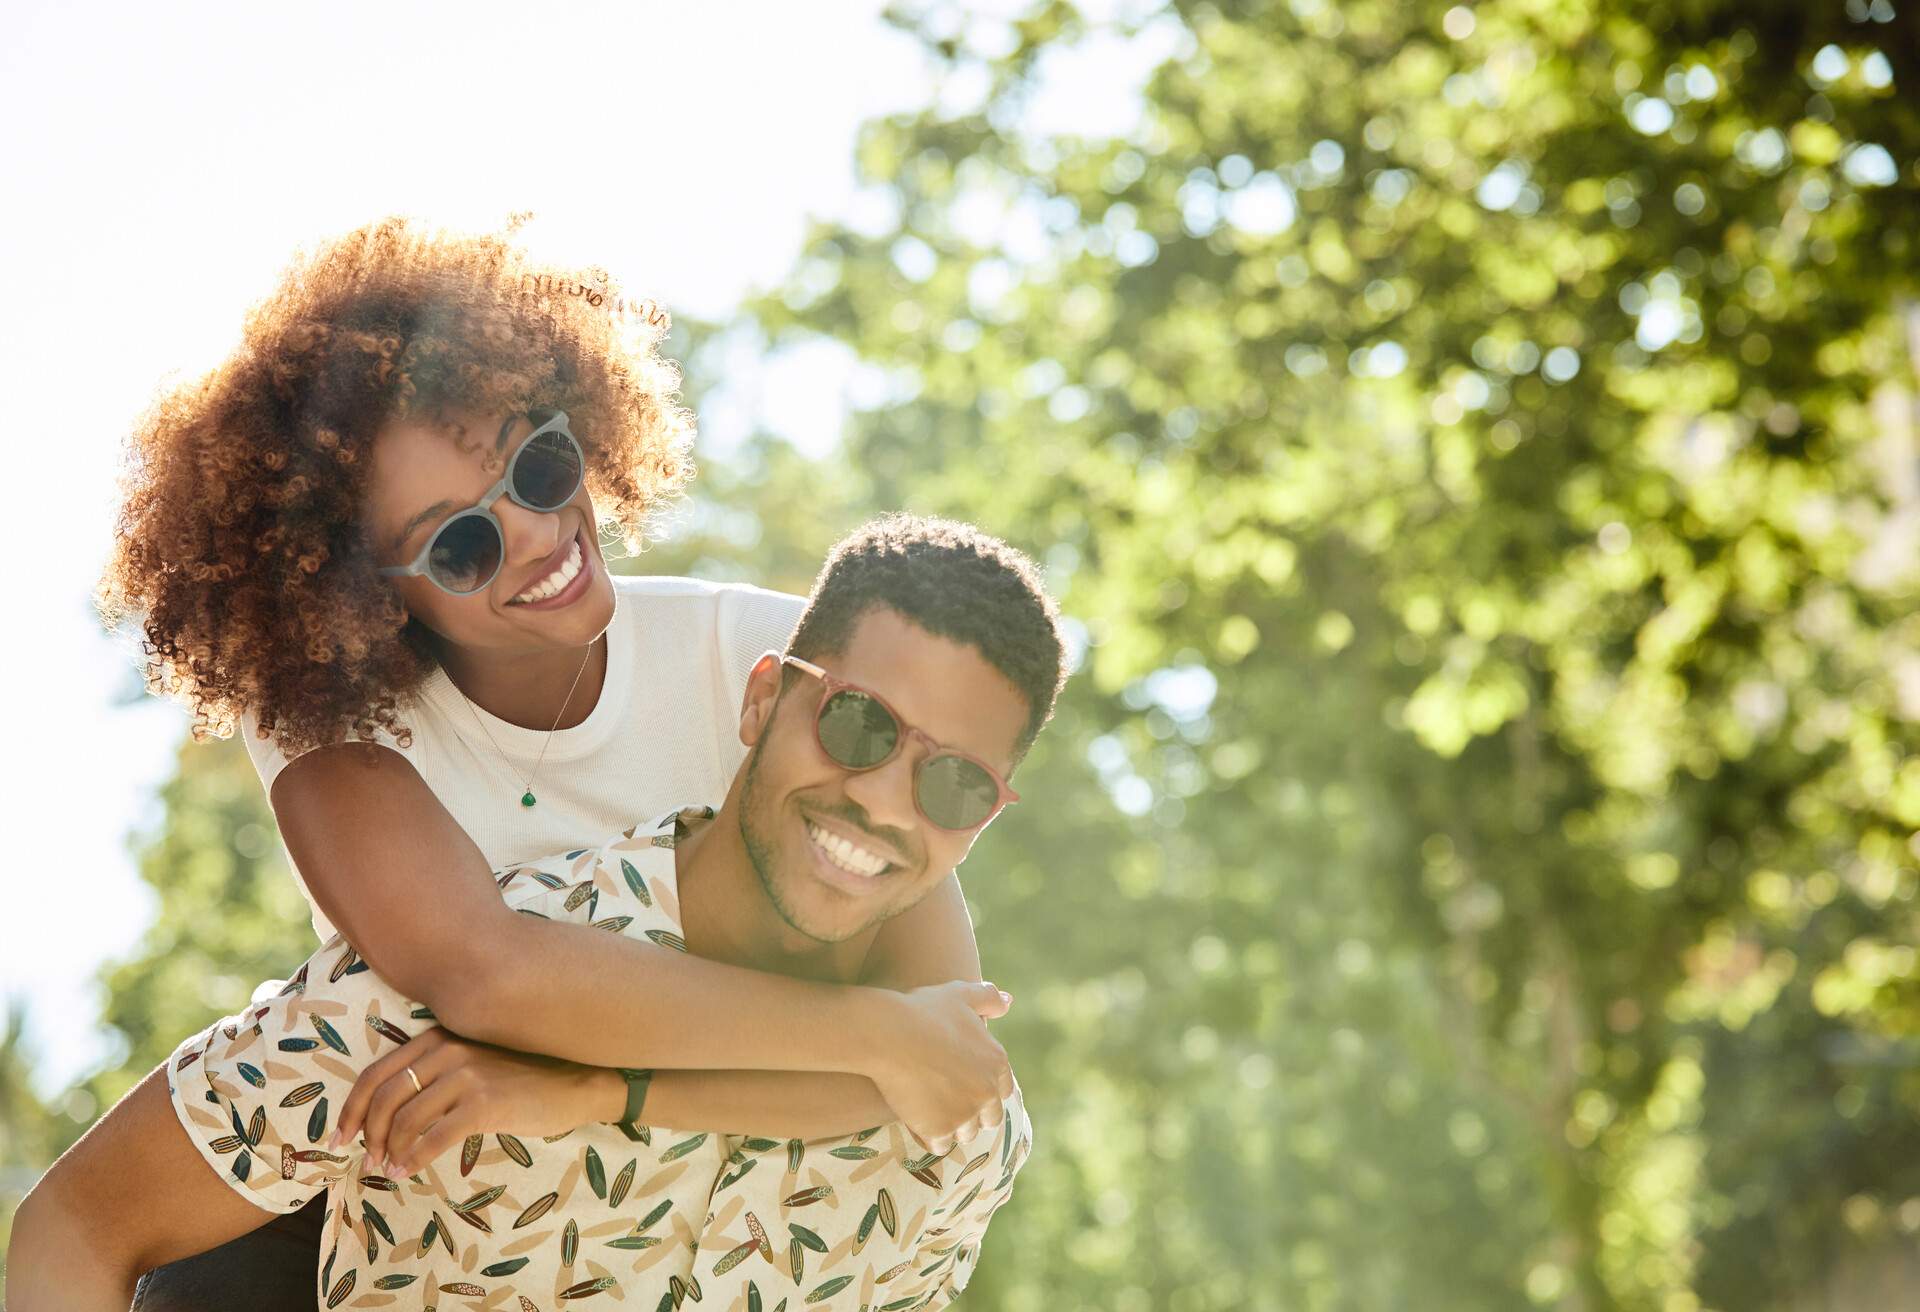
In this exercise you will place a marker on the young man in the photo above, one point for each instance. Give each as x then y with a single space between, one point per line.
927 660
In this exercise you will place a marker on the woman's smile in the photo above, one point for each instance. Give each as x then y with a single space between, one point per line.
560 580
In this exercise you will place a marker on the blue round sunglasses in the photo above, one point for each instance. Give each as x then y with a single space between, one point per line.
465 553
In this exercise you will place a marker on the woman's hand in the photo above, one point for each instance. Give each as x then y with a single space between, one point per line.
467 1088
939 1069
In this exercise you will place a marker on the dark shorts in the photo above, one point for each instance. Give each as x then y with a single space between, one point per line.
272 1269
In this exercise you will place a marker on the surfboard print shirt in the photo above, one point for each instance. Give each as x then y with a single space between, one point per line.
735 1222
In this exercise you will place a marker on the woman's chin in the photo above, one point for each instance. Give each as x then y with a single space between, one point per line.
575 626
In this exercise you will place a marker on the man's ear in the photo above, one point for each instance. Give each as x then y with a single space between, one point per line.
763 692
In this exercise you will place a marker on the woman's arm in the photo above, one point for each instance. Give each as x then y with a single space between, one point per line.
934 944
413 894
928 944
438 1088
131 1195
477 1088
777 1104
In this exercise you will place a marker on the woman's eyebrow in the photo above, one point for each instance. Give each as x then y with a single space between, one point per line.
442 507
437 508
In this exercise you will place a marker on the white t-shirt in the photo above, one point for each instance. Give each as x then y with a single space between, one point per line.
666 727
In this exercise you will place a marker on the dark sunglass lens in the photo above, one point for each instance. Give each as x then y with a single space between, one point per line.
547 472
465 554
856 730
956 793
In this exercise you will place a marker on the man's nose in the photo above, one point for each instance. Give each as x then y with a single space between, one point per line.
885 793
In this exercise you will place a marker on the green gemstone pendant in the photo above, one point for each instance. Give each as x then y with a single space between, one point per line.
527 798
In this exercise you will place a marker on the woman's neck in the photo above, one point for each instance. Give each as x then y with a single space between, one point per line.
527 688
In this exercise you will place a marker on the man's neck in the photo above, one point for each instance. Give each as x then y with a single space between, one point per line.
725 914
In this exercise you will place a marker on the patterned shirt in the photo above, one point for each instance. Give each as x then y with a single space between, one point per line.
740 1222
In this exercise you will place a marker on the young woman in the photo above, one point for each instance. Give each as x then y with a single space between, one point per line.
371 539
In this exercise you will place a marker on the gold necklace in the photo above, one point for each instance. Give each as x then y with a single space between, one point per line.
527 798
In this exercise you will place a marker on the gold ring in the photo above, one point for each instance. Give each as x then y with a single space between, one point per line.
415 1079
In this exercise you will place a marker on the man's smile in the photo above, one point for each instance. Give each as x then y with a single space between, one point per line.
845 850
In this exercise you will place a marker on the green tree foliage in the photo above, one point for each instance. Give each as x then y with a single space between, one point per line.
1473 863
25 1136
29 1130
1476 445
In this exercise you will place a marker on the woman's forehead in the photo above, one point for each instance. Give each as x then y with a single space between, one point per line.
460 432
420 461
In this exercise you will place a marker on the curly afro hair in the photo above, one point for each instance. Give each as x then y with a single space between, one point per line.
241 550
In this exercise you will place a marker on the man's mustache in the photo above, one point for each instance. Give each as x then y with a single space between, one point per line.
856 816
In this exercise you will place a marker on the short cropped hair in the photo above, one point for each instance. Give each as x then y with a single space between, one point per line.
954 581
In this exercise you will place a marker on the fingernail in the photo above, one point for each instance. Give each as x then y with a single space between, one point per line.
1006 997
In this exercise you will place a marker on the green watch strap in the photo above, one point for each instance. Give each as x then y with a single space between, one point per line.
637 1082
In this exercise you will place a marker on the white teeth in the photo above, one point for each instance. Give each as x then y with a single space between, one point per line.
854 860
547 587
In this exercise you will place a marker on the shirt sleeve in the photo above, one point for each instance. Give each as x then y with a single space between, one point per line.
753 621
268 760
977 1179
258 1092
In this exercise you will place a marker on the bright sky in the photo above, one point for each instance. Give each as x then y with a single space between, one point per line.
164 163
